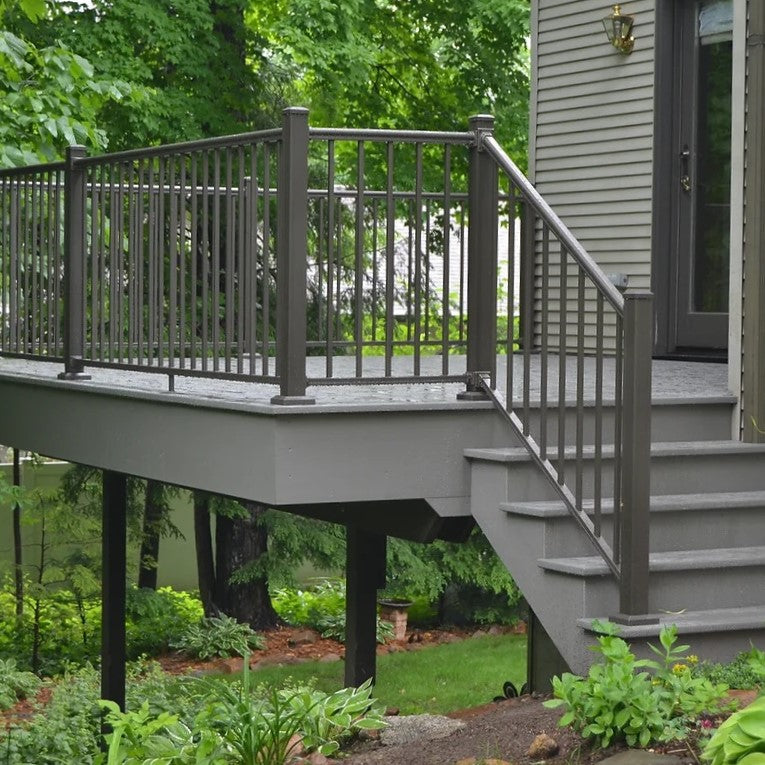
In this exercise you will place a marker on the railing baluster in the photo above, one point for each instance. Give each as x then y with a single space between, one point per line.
390 235
598 464
230 231
205 257
182 271
266 286
445 283
331 204
417 257
358 323
617 470
528 230
102 261
580 308
562 341
172 318
194 255
241 262
544 351
215 269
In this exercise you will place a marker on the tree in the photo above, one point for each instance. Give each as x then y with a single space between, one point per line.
425 64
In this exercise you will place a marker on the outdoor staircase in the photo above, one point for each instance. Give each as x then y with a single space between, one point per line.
707 539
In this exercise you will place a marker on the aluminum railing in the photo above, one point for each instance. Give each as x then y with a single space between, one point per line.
242 256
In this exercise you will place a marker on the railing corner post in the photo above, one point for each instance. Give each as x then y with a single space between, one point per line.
292 251
482 259
636 456
74 266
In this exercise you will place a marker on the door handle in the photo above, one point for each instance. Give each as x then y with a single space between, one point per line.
685 178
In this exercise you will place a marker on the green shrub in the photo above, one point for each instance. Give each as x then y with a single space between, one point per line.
306 608
217 637
745 671
15 684
334 627
615 702
156 618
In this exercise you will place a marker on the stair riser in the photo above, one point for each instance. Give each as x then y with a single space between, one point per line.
692 590
670 422
681 530
669 475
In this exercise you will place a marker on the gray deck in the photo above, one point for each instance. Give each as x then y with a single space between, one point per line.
671 380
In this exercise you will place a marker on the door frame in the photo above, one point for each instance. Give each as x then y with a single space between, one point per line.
665 185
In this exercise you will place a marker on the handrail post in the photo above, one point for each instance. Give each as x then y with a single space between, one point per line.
291 259
483 219
636 456
74 266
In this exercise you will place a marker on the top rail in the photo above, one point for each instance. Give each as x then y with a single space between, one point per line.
556 225
202 144
47 167
400 136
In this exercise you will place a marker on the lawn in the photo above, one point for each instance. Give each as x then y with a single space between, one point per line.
436 679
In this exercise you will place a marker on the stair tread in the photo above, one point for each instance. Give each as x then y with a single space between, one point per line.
661 449
674 560
724 500
693 622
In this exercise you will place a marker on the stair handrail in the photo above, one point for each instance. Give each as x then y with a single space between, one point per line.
627 555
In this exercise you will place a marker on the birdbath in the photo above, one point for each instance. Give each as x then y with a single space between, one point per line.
394 610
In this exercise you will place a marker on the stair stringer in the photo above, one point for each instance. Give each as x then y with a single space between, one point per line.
558 601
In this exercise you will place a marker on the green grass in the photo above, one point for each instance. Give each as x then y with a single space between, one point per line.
437 679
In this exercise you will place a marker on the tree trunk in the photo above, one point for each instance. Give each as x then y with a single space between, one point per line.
154 507
240 542
205 562
18 572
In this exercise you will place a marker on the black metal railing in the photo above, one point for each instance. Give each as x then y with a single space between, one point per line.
247 256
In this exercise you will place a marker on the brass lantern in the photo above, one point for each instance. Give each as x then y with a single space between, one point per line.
618 28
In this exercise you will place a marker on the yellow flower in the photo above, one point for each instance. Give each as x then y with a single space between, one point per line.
679 669
692 659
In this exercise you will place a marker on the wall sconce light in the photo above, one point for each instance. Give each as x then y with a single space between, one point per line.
618 27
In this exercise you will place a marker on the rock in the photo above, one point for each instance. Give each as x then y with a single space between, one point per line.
304 637
317 758
328 658
295 746
404 730
479 633
542 747
495 629
232 666
391 711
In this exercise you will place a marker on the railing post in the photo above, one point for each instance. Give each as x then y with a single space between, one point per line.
483 218
74 266
291 259
636 456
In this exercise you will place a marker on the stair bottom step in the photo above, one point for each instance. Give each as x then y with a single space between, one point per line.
692 622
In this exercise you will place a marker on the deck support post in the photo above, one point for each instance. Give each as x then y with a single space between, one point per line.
365 574
113 587
636 457
482 260
543 660
292 232
74 265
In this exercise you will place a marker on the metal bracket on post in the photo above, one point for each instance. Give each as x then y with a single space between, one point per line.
74 267
474 390
482 260
292 231
636 459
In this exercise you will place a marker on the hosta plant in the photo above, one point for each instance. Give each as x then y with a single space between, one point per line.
218 637
740 740
15 684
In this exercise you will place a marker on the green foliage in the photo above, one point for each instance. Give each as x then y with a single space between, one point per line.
156 618
322 608
238 724
15 684
746 670
740 739
217 636
617 702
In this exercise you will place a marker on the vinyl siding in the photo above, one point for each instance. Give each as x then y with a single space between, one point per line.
592 135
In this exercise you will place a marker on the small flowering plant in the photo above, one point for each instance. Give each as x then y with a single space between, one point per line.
639 701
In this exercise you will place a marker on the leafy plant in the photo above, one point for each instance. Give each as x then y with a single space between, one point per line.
746 670
218 636
334 627
621 700
15 684
740 739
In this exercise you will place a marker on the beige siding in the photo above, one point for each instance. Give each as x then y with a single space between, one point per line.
592 131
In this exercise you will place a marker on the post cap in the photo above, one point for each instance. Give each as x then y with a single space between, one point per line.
482 122
295 110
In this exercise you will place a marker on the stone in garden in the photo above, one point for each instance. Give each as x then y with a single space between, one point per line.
479 633
542 747
304 637
295 746
232 666
495 629
641 757
409 728
328 658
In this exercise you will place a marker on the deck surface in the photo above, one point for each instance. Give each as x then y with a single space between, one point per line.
671 380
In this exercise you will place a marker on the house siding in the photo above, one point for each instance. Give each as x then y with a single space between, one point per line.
592 133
